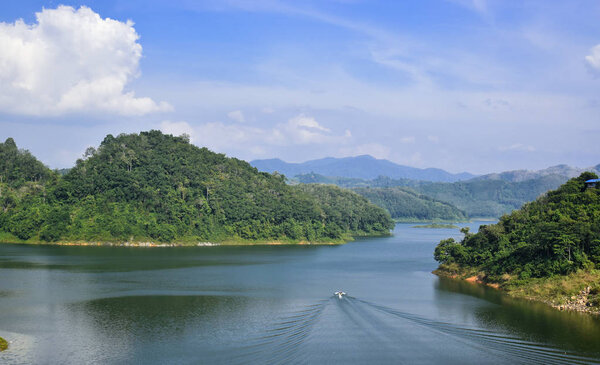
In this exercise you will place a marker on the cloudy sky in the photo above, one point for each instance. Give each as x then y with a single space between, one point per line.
463 85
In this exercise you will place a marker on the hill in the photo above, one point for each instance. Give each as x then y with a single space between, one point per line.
404 204
361 167
565 171
156 187
558 234
475 197
490 198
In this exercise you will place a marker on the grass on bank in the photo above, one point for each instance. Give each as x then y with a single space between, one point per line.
3 344
558 289
555 290
6 237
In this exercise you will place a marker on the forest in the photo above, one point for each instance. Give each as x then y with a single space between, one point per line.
156 187
557 234
404 204
475 198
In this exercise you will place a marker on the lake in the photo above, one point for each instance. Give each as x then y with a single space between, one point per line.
272 304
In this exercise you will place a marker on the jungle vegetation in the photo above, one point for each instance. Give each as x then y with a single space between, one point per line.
476 198
157 187
404 204
557 234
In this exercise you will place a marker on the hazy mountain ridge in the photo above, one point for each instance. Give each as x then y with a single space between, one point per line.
490 195
523 175
362 167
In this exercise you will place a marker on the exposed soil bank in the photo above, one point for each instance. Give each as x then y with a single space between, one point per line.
579 291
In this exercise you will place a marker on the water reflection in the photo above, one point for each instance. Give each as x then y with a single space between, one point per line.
111 305
529 320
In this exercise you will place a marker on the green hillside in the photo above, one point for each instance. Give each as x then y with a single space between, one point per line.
557 234
478 197
490 198
405 204
157 187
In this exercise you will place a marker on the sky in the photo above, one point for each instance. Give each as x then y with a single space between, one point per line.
463 85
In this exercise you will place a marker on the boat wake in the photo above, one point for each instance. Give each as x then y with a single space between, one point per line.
348 329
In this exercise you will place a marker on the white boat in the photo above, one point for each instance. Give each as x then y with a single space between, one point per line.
339 294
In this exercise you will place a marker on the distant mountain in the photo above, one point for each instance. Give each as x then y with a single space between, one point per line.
522 175
361 167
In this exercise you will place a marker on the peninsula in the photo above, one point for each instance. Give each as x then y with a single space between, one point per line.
549 250
155 188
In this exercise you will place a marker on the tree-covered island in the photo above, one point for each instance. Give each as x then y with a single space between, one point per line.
548 250
160 188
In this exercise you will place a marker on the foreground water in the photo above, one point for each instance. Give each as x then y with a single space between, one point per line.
271 304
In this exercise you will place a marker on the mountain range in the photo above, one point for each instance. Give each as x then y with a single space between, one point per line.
522 175
490 195
361 167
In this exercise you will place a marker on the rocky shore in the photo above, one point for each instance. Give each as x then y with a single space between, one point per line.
577 292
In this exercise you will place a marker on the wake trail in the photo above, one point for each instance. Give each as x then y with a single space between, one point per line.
283 342
503 344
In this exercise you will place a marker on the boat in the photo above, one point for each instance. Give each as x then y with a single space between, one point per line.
340 294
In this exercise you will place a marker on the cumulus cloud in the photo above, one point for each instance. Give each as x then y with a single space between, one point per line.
178 129
70 60
305 130
237 116
593 60
408 139
297 131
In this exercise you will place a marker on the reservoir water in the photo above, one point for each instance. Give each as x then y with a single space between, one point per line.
272 304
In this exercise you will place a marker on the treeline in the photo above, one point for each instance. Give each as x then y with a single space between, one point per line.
152 186
558 233
407 205
490 198
475 198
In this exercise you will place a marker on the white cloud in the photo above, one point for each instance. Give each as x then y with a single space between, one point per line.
408 139
433 139
236 116
70 61
593 60
221 137
178 129
305 130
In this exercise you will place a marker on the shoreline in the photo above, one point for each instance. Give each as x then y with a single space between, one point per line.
577 292
146 244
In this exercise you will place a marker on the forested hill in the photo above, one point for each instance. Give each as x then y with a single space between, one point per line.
404 204
558 233
478 197
152 186
18 167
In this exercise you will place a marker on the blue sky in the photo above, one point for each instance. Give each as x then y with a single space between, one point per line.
464 85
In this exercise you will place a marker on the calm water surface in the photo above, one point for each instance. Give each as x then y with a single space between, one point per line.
271 304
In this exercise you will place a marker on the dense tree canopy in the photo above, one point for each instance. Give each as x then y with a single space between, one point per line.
475 198
406 204
152 186
556 234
